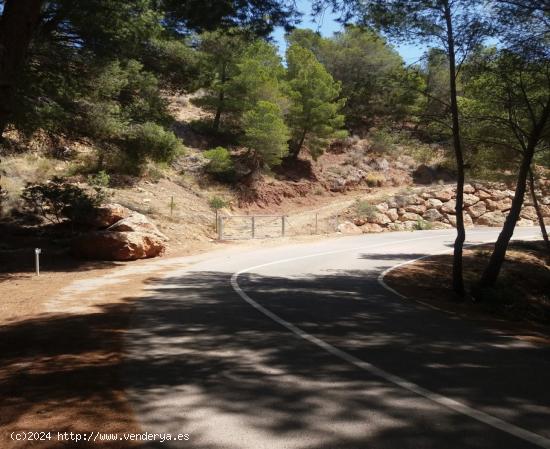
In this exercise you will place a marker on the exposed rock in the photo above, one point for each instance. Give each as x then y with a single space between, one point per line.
483 195
382 207
105 245
468 222
434 203
470 200
392 214
449 207
432 215
469 188
379 219
544 210
495 218
497 195
372 228
444 194
416 208
529 213
359 221
106 215
504 204
397 226
477 209
525 222
410 225
347 227
491 205
439 225
137 222
410 216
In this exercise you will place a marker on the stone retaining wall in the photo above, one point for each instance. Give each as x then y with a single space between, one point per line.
433 207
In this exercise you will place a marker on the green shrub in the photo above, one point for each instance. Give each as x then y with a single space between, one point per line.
220 163
153 142
422 225
381 141
364 209
100 180
56 200
217 203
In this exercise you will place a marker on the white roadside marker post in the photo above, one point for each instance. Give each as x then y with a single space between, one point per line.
37 252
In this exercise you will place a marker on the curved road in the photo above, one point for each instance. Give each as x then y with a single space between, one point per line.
300 346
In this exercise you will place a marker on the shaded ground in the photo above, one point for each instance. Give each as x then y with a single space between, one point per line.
520 301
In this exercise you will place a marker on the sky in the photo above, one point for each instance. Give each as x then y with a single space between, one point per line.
327 26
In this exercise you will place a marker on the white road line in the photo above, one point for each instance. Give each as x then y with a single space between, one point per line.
493 421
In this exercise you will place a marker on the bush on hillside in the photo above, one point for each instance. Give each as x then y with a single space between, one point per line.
57 200
220 164
149 141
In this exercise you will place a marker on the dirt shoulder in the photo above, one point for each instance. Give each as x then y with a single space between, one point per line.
519 305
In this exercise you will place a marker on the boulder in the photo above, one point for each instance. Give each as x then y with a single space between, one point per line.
410 225
379 219
137 222
504 204
444 194
347 227
397 226
449 207
416 208
495 218
410 216
105 245
470 200
468 222
477 209
544 210
497 195
105 215
434 203
432 215
483 194
392 214
469 188
382 207
529 213
439 225
359 221
372 228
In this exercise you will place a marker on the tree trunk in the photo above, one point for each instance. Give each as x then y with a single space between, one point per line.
537 209
295 151
17 25
221 96
458 281
490 275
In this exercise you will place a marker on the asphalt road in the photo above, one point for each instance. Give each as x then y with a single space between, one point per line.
301 346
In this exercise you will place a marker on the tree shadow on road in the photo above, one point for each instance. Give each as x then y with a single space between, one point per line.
195 344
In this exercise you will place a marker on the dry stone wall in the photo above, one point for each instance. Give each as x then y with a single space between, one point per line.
485 204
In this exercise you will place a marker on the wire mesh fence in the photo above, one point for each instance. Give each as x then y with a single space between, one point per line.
238 227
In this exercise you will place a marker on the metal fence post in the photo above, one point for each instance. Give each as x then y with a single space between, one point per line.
220 229
283 225
37 252
253 226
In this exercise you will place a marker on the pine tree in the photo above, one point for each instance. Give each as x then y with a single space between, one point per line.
315 104
266 134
